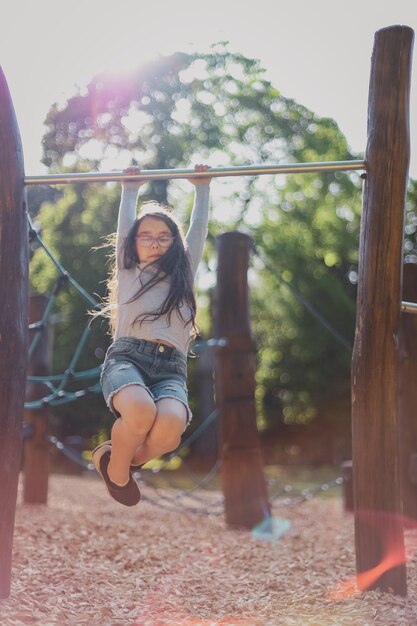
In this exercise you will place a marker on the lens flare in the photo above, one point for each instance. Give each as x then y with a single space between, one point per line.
394 555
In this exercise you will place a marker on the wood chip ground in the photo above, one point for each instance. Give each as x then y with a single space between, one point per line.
84 560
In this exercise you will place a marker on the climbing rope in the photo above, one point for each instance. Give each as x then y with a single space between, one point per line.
304 494
304 302
197 503
193 500
58 382
71 454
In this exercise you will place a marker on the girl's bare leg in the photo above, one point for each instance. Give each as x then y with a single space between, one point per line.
165 434
138 412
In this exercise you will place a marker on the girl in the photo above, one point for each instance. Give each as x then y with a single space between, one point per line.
144 371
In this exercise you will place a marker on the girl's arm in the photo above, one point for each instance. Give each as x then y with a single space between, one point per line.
197 231
127 212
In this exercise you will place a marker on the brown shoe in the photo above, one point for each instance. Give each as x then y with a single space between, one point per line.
128 494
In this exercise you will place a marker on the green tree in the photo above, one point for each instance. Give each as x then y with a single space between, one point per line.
304 300
219 107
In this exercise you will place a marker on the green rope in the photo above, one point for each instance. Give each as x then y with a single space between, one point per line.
62 397
61 269
56 378
58 394
45 317
314 312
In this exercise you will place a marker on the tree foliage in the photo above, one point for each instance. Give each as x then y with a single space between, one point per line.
218 107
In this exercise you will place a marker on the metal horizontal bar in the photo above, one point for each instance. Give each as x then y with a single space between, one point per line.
409 307
240 170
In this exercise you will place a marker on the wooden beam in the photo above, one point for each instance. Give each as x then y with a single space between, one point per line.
13 322
375 371
244 488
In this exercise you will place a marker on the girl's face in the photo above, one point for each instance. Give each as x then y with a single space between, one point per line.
153 239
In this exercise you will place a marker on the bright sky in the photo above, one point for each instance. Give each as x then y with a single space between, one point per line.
317 52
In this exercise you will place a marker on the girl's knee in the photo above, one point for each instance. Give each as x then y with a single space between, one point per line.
136 408
169 425
165 440
172 410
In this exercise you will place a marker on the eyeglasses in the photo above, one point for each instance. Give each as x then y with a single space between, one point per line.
146 240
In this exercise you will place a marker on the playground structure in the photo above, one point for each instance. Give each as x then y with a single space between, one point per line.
376 372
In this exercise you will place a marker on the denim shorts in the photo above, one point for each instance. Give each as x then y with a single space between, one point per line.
160 369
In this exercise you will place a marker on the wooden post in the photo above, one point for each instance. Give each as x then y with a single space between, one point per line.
376 474
13 322
37 447
408 395
244 488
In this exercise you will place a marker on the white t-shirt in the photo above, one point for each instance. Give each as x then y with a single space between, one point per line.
173 330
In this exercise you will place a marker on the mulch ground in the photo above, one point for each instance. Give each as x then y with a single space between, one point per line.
85 560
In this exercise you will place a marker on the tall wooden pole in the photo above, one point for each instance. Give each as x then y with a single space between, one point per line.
13 322
376 473
244 488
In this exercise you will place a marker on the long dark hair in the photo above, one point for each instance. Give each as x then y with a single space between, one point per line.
173 266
